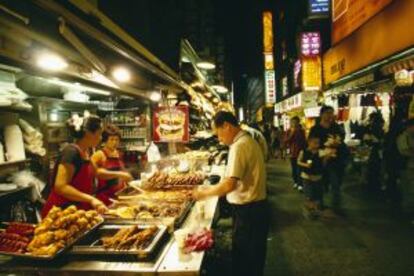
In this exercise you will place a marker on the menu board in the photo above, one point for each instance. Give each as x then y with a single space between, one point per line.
349 15
171 124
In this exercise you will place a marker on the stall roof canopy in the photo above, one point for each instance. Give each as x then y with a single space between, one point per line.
91 44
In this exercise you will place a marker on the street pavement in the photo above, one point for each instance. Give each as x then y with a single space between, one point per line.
373 238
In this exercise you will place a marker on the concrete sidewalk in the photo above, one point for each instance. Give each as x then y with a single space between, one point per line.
373 238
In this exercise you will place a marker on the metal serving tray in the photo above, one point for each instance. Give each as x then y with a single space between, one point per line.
177 220
131 194
92 245
29 256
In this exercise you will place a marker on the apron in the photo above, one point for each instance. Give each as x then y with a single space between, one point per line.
107 188
82 181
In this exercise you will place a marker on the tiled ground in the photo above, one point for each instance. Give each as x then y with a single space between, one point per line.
373 238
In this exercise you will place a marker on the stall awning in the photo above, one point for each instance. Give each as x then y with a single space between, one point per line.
90 51
406 63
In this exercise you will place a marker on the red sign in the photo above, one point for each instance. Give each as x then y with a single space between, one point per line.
171 124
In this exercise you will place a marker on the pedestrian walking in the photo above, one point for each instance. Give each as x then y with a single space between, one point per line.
331 138
374 138
312 168
295 142
244 185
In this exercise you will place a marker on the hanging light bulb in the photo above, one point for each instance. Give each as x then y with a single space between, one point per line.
121 74
206 65
155 96
51 62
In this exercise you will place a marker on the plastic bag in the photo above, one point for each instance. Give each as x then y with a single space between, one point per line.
27 179
153 153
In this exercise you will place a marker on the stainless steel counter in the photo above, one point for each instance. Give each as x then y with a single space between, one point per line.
167 262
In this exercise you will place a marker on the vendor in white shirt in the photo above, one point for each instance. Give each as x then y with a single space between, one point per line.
244 185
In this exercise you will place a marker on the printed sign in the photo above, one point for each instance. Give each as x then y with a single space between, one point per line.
311 73
171 124
310 44
270 86
319 7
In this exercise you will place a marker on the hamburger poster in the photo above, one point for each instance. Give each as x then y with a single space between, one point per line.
171 124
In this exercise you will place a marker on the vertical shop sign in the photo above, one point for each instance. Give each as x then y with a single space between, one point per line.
171 124
310 44
269 63
267 32
296 73
270 81
270 86
311 73
311 61
285 90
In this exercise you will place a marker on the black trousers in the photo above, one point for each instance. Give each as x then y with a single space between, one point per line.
250 228
295 171
314 190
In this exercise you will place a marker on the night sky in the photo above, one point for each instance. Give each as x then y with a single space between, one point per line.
238 21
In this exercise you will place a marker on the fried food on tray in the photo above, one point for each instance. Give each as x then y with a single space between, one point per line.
16 237
124 212
147 210
12 242
162 180
61 234
60 228
48 250
176 196
130 238
145 215
56 231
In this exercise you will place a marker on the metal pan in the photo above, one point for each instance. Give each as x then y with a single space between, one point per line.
177 220
29 256
93 245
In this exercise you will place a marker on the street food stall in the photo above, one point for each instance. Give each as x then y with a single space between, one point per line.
152 226
144 232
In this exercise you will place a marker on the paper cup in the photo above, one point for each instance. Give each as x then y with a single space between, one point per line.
201 210
180 236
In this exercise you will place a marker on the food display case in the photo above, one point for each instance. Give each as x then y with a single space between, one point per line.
137 235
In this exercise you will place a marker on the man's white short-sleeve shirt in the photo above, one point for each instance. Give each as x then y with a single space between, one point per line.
246 163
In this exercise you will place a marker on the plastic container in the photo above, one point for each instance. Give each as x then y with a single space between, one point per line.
13 138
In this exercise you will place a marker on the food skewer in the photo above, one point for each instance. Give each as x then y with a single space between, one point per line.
136 188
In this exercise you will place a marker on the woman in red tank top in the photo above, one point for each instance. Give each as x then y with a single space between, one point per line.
112 176
74 179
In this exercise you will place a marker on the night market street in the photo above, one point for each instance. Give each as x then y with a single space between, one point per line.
373 239
207 137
